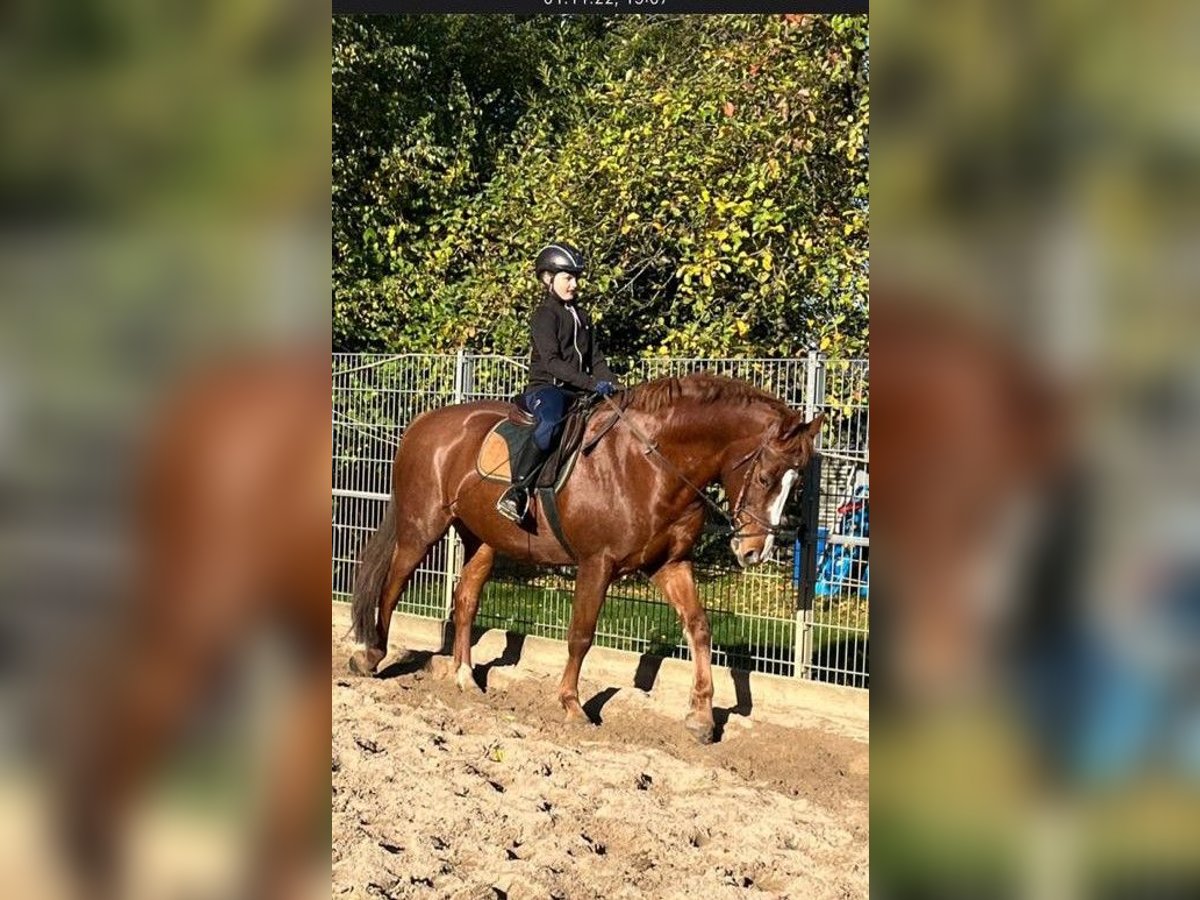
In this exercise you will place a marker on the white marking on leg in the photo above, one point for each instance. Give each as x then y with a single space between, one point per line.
463 677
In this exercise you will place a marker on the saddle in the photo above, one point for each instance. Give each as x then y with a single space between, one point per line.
508 436
512 433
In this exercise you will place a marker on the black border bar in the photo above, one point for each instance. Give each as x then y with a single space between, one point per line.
599 7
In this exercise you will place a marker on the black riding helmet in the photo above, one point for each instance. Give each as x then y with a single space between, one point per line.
555 258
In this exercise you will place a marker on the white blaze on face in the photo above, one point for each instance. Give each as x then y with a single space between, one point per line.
775 513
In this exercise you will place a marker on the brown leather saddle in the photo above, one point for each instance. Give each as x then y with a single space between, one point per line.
508 435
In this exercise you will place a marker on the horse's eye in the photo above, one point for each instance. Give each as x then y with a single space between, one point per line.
763 480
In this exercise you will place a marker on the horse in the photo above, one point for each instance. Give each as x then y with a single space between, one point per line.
633 503
980 443
225 549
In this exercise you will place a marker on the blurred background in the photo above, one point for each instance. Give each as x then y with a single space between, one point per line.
1034 180
1034 320
164 269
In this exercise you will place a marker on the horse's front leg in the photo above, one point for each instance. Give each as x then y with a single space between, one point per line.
678 585
591 583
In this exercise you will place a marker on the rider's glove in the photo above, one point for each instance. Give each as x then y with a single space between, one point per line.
605 388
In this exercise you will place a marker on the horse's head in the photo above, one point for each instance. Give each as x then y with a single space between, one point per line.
760 481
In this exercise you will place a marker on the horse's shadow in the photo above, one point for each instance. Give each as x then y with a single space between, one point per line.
514 644
743 706
593 706
417 660
412 661
644 678
647 674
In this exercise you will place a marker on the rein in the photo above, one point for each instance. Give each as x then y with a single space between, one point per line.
752 457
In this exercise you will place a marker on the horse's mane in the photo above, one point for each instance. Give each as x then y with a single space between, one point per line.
702 387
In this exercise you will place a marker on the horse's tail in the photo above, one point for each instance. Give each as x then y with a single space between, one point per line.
374 562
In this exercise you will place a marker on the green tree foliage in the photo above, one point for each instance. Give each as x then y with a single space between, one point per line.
421 107
713 168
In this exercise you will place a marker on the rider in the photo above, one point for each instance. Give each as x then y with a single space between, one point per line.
565 361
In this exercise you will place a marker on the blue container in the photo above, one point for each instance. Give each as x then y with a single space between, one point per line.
798 559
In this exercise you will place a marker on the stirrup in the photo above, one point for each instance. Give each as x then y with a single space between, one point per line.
508 505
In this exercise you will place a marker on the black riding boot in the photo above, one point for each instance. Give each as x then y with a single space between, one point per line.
514 502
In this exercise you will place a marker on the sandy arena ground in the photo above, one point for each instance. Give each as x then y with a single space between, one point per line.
441 793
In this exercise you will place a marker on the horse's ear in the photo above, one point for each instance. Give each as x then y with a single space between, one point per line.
794 427
814 427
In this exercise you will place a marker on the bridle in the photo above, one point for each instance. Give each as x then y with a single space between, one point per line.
753 458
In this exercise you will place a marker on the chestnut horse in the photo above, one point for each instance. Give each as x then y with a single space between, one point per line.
228 549
633 503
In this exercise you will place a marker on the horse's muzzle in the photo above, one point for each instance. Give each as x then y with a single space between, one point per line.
748 558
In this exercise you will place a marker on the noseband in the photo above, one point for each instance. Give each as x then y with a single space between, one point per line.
754 458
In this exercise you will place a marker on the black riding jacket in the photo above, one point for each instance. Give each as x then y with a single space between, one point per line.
565 352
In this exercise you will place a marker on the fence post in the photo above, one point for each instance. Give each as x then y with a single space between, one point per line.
451 569
814 386
810 515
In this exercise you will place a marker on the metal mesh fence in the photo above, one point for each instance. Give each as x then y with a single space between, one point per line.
839 618
760 618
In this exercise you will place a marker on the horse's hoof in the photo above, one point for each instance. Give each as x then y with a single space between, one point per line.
465 679
362 663
701 729
576 715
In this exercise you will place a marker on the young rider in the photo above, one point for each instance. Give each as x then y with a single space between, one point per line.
565 360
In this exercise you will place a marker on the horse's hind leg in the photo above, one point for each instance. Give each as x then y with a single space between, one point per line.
678 585
412 544
476 569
